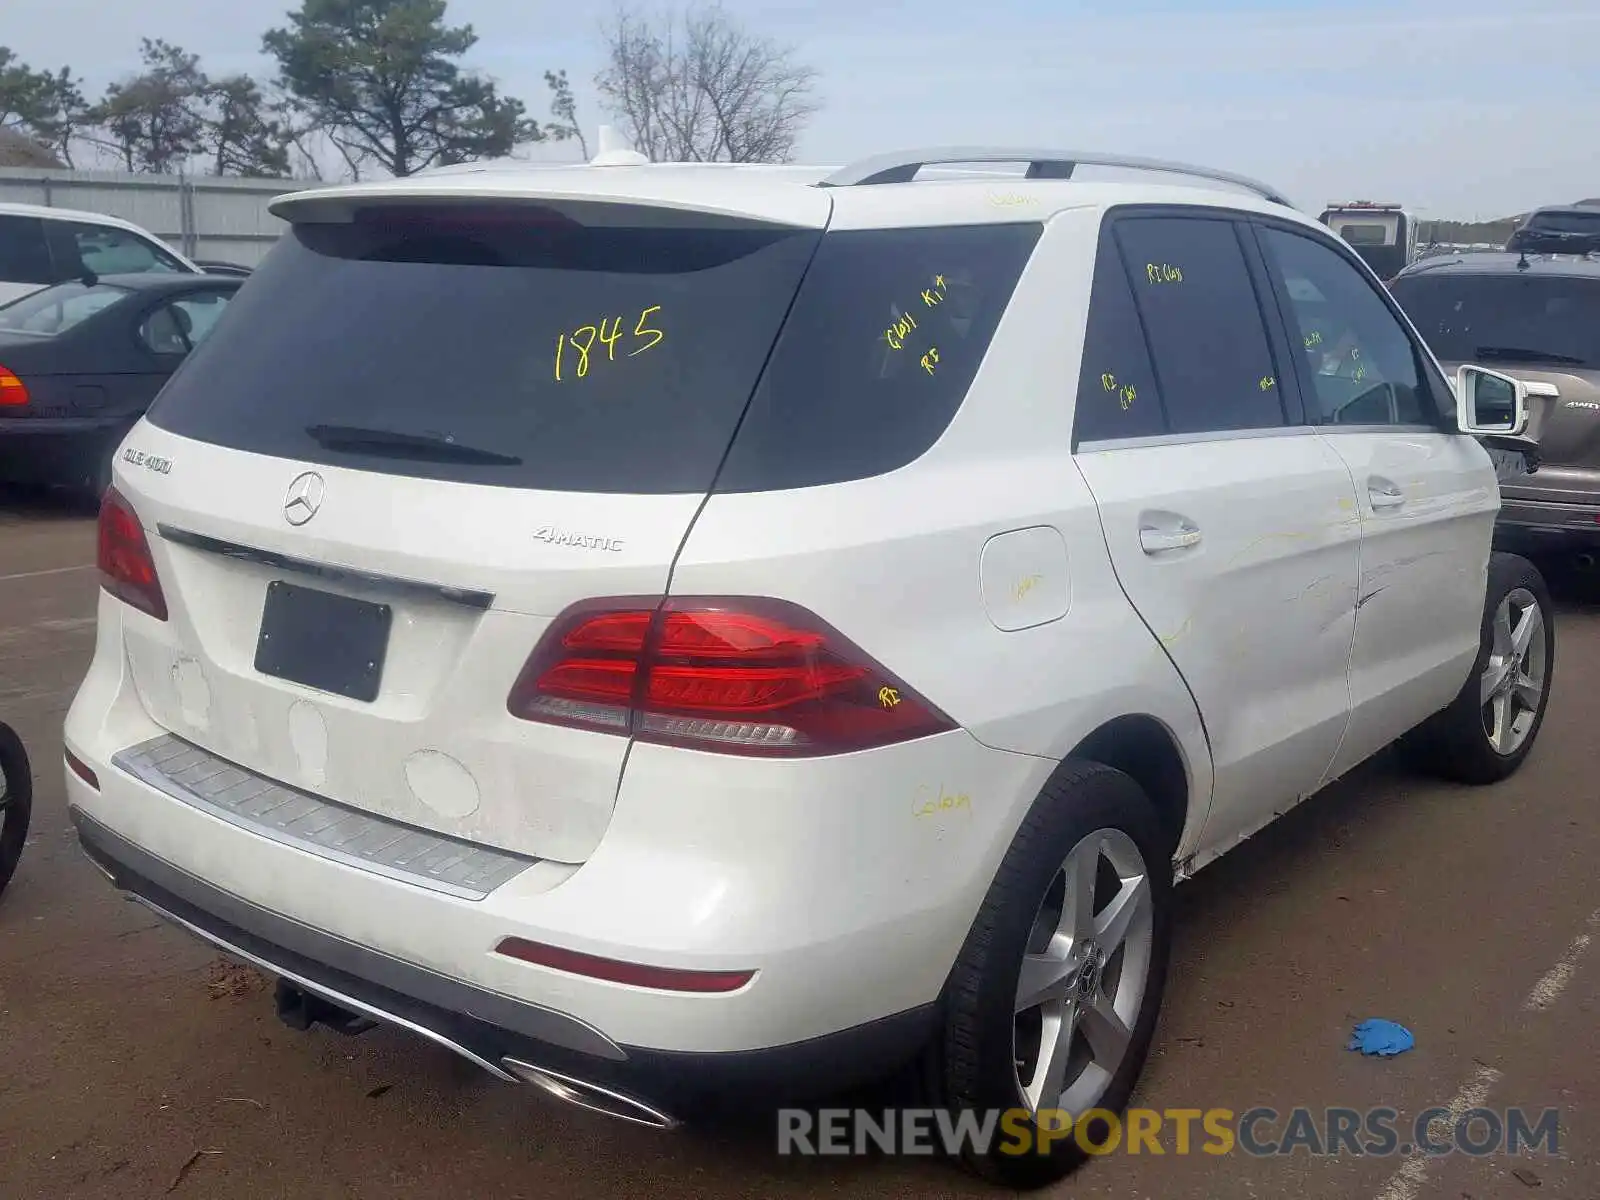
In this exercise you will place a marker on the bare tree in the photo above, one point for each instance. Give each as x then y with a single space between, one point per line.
696 86
565 111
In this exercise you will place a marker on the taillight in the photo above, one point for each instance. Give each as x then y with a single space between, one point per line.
13 392
739 675
127 569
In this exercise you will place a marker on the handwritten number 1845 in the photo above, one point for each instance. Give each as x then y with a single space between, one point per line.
607 334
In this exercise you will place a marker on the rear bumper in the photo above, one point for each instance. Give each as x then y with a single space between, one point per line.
837 881
1537 526
497 1032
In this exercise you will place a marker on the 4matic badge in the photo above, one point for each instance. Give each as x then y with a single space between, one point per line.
581 541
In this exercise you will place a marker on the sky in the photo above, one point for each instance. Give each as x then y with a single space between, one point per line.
1459 109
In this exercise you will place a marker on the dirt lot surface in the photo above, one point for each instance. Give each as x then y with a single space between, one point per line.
136 1063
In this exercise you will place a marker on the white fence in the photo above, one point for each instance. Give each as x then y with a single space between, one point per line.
203 217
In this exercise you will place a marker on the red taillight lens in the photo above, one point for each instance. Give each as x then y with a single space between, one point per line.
13 392
743 676
127 569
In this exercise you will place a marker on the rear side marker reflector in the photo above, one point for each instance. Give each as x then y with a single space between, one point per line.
81 769
661 979
738 675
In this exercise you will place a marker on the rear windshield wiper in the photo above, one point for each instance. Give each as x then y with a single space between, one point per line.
424 447
1519 354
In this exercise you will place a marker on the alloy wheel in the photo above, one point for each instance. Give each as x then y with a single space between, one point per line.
1084 975
1512 688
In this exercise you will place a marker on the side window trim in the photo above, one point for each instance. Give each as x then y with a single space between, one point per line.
1422 358
1090 445
1291 383
1284 316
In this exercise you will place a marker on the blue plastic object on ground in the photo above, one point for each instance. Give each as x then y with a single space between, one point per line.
1382 1038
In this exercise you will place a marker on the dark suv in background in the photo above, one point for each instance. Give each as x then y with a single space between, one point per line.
1533 312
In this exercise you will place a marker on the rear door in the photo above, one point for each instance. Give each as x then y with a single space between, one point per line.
416 436
1230 525
1427 495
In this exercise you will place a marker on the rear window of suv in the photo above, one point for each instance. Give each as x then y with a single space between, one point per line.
521 348
1506 318
517 348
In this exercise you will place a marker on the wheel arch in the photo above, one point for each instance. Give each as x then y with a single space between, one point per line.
1143 747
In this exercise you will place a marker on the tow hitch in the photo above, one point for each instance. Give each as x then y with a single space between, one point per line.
300 1009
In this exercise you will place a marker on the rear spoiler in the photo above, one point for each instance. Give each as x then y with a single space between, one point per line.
590 196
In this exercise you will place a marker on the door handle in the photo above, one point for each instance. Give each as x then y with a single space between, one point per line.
1174 533
1385 494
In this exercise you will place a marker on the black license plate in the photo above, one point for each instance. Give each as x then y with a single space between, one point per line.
323 641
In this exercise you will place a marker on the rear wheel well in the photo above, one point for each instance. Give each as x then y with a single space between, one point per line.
1143 748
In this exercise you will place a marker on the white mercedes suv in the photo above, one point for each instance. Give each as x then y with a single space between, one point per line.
676 632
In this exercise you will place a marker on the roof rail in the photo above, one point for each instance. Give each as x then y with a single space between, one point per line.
902 166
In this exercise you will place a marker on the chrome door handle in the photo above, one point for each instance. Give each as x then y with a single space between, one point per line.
1154 539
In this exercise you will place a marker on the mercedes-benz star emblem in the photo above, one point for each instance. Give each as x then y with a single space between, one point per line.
304 498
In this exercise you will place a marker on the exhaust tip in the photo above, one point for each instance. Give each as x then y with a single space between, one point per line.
592 1096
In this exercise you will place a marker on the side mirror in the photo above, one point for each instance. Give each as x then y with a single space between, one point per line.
1489 402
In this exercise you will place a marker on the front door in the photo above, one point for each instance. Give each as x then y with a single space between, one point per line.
1427 495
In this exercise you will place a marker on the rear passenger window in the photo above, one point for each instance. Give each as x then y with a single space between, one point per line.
1360 359
1117 395
884 339
24 255
1203 319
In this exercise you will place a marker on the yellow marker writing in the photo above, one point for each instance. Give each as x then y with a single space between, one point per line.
896 334
943 802
607 333
1163 273
1267 383
888 697
930 359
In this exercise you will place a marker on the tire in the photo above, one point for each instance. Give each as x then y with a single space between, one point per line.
1458 743
16 802
979 1058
